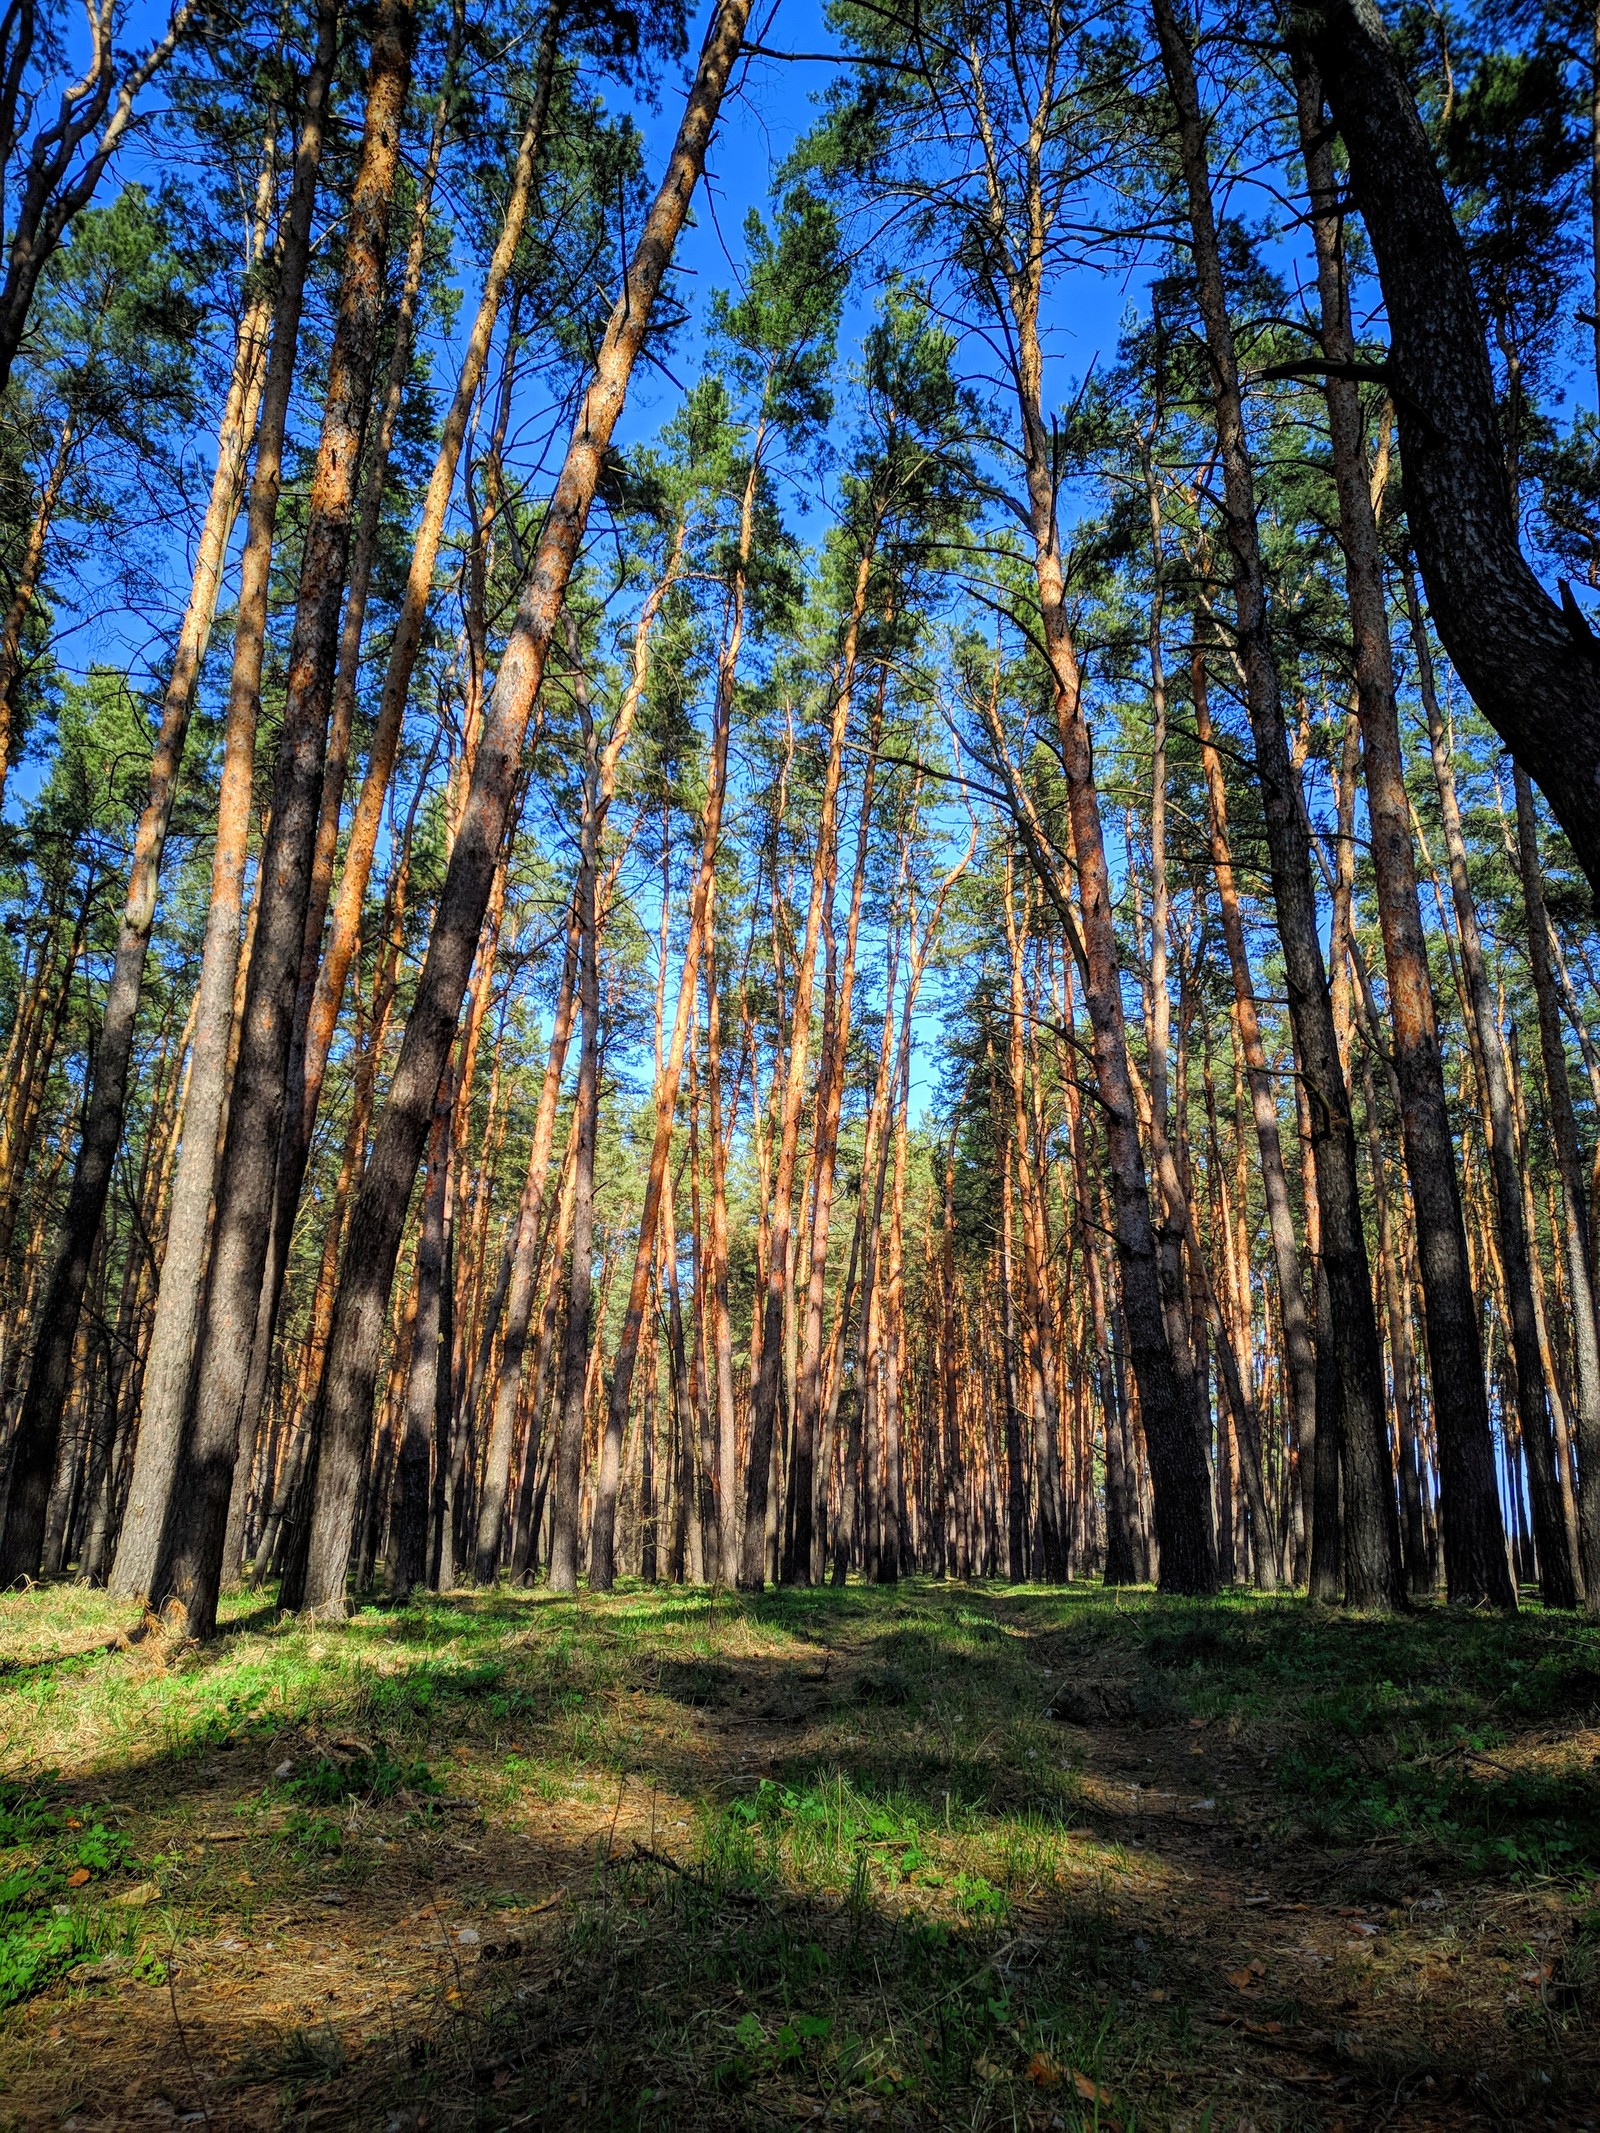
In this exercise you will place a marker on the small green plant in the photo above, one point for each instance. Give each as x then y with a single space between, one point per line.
374 1775
46 1858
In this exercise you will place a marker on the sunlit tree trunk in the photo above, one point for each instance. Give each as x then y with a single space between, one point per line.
178 1306
380 1209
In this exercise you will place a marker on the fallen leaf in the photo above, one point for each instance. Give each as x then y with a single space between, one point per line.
1043 2072
142 1892
1241 1980
1091 2092
77 1877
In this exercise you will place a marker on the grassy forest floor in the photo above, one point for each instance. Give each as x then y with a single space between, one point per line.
930 1856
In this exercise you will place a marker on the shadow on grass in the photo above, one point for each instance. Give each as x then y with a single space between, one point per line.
872 1902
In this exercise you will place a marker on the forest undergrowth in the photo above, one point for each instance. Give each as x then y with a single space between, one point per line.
937 1855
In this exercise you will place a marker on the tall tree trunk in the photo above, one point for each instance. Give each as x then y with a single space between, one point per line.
294 1141
1511 1230
1372 1530
1300 1353
1575 1237
602 1560
108 1100
344 931
521 1292
807 1565
380 1209
764 1402
184 1585
168 1369
1474 1541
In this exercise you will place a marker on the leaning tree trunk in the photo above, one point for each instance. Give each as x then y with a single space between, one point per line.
167 1370
380 1209
45 1399
188 1570
294 1141
1532 666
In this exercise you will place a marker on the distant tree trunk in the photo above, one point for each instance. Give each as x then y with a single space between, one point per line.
1299 1350
764 1400
721 1331
602 1556
1038 1337
521 1292
1575 1238
832 1076
411 1523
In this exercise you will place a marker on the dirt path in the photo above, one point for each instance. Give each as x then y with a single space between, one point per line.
601 1876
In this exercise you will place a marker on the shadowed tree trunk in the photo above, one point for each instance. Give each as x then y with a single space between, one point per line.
1531 666
1372 1529
1575 1229
1469 1505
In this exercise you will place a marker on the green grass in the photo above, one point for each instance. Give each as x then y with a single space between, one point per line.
725 1861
